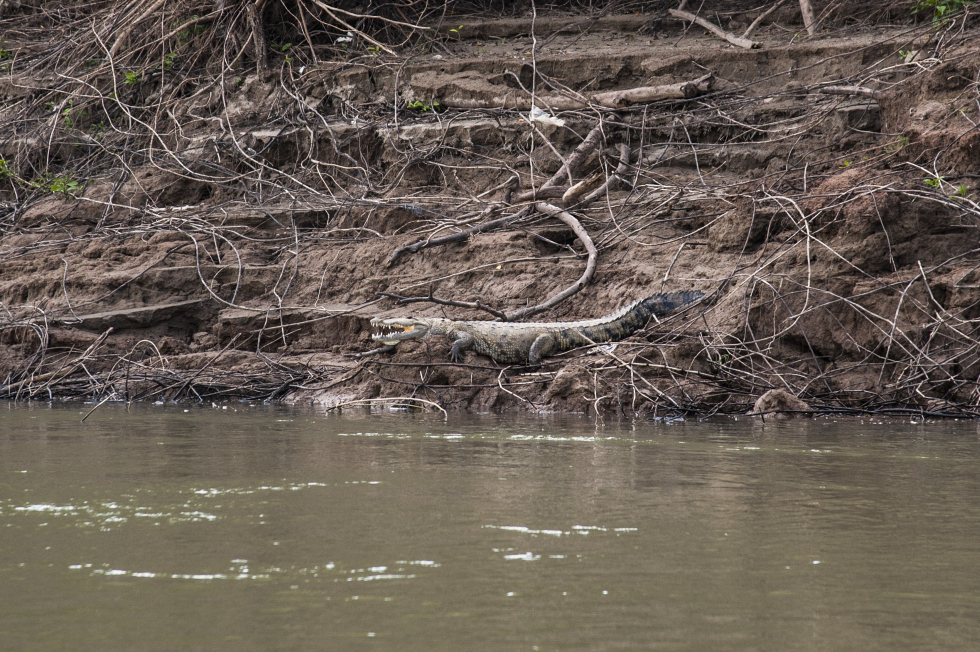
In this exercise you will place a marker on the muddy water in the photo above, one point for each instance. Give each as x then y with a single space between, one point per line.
255 528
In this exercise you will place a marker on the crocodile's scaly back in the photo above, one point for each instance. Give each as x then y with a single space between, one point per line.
530 343
631 318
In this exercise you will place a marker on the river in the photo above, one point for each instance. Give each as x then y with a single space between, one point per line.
249 527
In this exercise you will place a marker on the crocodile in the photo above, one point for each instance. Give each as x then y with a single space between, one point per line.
529 343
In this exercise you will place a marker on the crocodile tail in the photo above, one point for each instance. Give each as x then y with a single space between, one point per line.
661 305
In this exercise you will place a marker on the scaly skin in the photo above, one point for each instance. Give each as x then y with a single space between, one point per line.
515 343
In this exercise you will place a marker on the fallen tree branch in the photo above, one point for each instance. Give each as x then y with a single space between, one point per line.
387 348
585 185
849 90
548 190
748 44
66 369
445 86
750 30
645 94
575 161
543 192
590 266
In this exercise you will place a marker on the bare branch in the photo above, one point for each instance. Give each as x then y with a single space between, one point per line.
590 265
714 29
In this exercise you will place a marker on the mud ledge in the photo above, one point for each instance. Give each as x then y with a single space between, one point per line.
236 242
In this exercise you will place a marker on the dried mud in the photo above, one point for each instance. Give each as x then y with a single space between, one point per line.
835 235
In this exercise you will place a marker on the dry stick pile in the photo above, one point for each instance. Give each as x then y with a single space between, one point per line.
127 81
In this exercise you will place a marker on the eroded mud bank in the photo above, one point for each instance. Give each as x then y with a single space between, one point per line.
242 250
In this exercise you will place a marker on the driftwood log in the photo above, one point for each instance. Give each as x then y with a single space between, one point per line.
849 90
452 90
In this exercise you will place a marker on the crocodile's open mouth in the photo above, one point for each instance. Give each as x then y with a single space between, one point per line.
391 331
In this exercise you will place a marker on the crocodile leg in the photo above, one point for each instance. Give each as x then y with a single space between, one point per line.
464 342
543 346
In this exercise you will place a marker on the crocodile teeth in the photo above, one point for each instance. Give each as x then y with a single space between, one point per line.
392 330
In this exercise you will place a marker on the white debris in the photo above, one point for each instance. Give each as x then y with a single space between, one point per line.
537 115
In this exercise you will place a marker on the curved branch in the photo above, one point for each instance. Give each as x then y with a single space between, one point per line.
590 266
549 190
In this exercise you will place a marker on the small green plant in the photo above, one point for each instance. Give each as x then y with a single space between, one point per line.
962 192
455 31
69 112
934 182
168 60
422 106
940 9
846 165
5 56
374 50
898 144
133 78
5 171
282 47
66 112
64 184
723 362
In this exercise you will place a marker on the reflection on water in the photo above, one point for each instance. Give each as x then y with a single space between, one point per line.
268 528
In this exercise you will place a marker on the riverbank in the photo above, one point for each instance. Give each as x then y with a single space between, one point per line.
218 230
